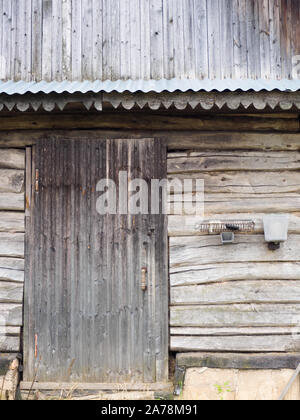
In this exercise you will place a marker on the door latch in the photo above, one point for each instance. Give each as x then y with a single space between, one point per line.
36 180
35 346
144 279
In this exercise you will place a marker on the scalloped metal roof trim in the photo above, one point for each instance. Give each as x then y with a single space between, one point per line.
146 86
180 101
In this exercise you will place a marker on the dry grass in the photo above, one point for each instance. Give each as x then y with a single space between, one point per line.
75 395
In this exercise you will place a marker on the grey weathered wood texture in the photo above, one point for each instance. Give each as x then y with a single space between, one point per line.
212 273
11 180
12 222
238 360
242 315
232 331
11 293
9 343
191 251
12 202
237 292
12 159
246 344
12 245
176 140
248 182
86 315
235 161
241 297
140 39
12 315
118 120
12 228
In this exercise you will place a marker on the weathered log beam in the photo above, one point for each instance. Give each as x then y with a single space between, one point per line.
193 251
12 159
11 292
11 180
238 361
243 182
232 161
11 314
9 343
12 222
215 273
176 140
234 141
276 343
138 121
9 275
12 202
12 245
232 331
236 292
11 264
218 204
250 315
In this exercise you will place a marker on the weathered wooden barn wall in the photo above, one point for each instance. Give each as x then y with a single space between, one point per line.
272 160
12 177
144 39
240 297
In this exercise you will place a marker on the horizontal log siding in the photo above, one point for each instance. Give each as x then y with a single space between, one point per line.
12 228
240 297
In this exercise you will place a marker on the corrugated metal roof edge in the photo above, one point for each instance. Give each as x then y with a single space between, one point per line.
154 101
147 86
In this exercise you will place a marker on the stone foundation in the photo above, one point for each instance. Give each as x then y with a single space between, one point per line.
231 384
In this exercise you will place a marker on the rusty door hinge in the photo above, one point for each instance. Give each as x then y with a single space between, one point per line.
35 346
144 279
36 180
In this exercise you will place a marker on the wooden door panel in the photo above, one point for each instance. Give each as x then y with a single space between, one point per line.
86 316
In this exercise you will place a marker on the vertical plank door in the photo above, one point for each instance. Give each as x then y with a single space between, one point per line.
87 318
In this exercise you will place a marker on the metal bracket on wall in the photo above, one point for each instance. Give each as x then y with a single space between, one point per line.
215 227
